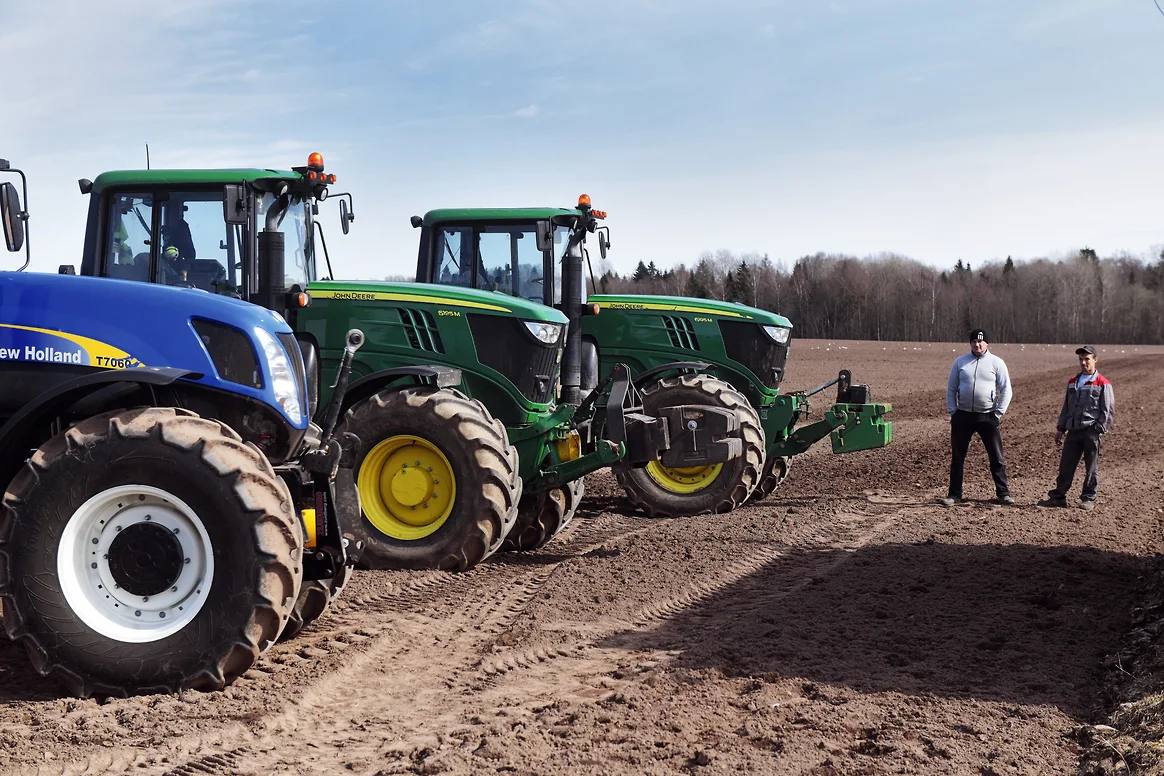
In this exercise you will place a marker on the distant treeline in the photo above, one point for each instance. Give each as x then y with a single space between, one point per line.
1082 298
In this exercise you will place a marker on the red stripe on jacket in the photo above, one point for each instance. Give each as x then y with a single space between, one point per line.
1098 380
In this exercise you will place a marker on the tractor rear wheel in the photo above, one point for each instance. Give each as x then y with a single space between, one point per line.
315 598
775 472
542 516
437 480
664 491
147 550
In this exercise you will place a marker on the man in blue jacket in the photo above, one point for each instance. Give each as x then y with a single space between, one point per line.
1088 413
977 396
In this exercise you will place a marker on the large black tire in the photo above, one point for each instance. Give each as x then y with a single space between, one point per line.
144 470
736 479
542 516
315 598
484 465
775 472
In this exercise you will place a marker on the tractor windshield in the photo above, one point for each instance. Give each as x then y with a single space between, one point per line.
299 267
497 257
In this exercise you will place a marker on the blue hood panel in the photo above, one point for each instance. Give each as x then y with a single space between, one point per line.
116 324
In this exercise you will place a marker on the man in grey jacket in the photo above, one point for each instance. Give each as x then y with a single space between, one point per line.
1088 413
977 396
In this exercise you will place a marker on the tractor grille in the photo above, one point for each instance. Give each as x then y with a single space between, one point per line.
231 352
681 331
504 344
748 344
421 330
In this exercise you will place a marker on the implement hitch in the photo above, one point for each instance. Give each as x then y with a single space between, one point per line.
314 477
854 422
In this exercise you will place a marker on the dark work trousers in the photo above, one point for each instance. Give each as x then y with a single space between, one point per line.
1079 444
963 426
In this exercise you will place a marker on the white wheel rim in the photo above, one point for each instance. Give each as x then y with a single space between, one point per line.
90 584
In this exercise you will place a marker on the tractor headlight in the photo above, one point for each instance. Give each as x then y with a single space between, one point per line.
283 381
547 333
778 333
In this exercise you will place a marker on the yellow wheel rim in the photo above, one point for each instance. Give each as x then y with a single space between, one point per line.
407 487
683 479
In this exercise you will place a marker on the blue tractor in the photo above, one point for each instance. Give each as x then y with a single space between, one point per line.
168 503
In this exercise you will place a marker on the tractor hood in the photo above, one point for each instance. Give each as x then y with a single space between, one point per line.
104 323
684 304
462 299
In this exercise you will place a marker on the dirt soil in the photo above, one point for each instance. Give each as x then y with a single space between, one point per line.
847 624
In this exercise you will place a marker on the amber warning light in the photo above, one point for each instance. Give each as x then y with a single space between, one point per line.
315 161
583 200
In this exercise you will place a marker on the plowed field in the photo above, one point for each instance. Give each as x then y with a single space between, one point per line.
846 624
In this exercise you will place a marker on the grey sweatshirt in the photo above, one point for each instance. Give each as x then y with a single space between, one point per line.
978 385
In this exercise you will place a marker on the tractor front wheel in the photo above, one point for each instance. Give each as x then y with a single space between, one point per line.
147 550
437 480
315 598
664 491
775 472
542 516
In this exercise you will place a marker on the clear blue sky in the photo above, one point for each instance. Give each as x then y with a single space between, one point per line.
939 130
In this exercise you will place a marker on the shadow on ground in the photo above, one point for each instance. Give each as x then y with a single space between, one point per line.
1019 623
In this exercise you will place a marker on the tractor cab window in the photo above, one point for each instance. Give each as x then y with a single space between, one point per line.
298 260
510 261
453 254
197 247
127 248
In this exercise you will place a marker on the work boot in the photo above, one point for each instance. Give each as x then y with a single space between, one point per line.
1050 501
1087 506
1006 501
950 501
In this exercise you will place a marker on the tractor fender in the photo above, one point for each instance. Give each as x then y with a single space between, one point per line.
17 435
401 377
649 376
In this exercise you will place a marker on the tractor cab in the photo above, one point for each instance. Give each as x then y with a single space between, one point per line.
213 230
523 252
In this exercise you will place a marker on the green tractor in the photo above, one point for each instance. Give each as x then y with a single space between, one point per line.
466 447
679 350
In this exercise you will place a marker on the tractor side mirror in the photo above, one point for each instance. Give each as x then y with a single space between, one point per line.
545 236
603 241
346 216
10 215
234 204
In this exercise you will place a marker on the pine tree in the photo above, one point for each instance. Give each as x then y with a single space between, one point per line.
746 284
731 291
652 270
640 272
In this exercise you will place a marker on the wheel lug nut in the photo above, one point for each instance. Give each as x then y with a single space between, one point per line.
95 540
137 613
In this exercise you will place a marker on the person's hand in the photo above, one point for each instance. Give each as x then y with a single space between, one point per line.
1058 438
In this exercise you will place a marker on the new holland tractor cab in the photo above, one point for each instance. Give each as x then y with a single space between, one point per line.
465 447
168 507
679 350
